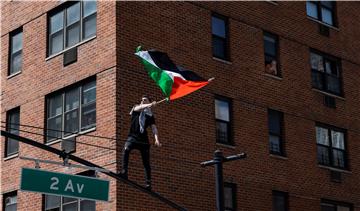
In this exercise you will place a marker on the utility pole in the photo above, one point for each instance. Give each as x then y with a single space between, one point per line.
218 161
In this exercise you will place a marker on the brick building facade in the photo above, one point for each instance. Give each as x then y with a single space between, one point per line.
297 119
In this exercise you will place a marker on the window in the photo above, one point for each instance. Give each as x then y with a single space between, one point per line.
331 149
280 201
271 54
15 52
12 125
220 37
323 11
328 205
275 124
325 73
230 196
59 203
75 22
222 116
71 111
10 201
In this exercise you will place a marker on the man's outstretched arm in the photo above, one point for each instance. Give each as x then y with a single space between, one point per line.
142 106
155 132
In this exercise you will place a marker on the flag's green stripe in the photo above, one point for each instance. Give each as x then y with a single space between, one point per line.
161 78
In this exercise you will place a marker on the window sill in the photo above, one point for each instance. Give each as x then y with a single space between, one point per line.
74 46
273 76
13 75
11 157
222 60
328 94
226 145
272 2
70 136
325 24
281 157
334 169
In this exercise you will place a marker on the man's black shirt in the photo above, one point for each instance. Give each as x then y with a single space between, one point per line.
134 132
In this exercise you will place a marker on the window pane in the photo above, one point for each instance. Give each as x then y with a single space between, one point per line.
328 207
317 79
56 42
222 132
16 62
228 197
52 202
57 22
275 145
337 139
73 14
13 127
89 92
274 121
71 122
219 47
68 199
10 203
89 7
222 110
323 155
70 207
72 99
89 27
55 106
54 128
327 16
341 208
338 158
218 27
316 62
73 34
270 45
322 136
86 205
16 42
333 84
279 202
88 116
311 9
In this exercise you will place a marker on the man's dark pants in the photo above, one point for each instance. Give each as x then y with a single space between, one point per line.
145 155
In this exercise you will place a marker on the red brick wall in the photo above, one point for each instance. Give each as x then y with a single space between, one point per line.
186 126
41 76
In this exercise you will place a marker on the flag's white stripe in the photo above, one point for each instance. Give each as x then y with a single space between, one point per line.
145 55
172 75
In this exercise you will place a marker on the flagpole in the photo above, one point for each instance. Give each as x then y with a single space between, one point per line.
158 102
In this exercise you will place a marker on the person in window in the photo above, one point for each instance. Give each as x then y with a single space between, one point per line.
141 118
271 68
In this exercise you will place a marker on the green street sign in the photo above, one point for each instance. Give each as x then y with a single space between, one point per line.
36 180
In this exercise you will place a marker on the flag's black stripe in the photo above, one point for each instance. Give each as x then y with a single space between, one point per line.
163 61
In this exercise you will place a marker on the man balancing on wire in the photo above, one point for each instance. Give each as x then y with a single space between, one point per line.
141 119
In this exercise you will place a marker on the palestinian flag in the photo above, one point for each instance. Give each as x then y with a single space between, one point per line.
174 81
